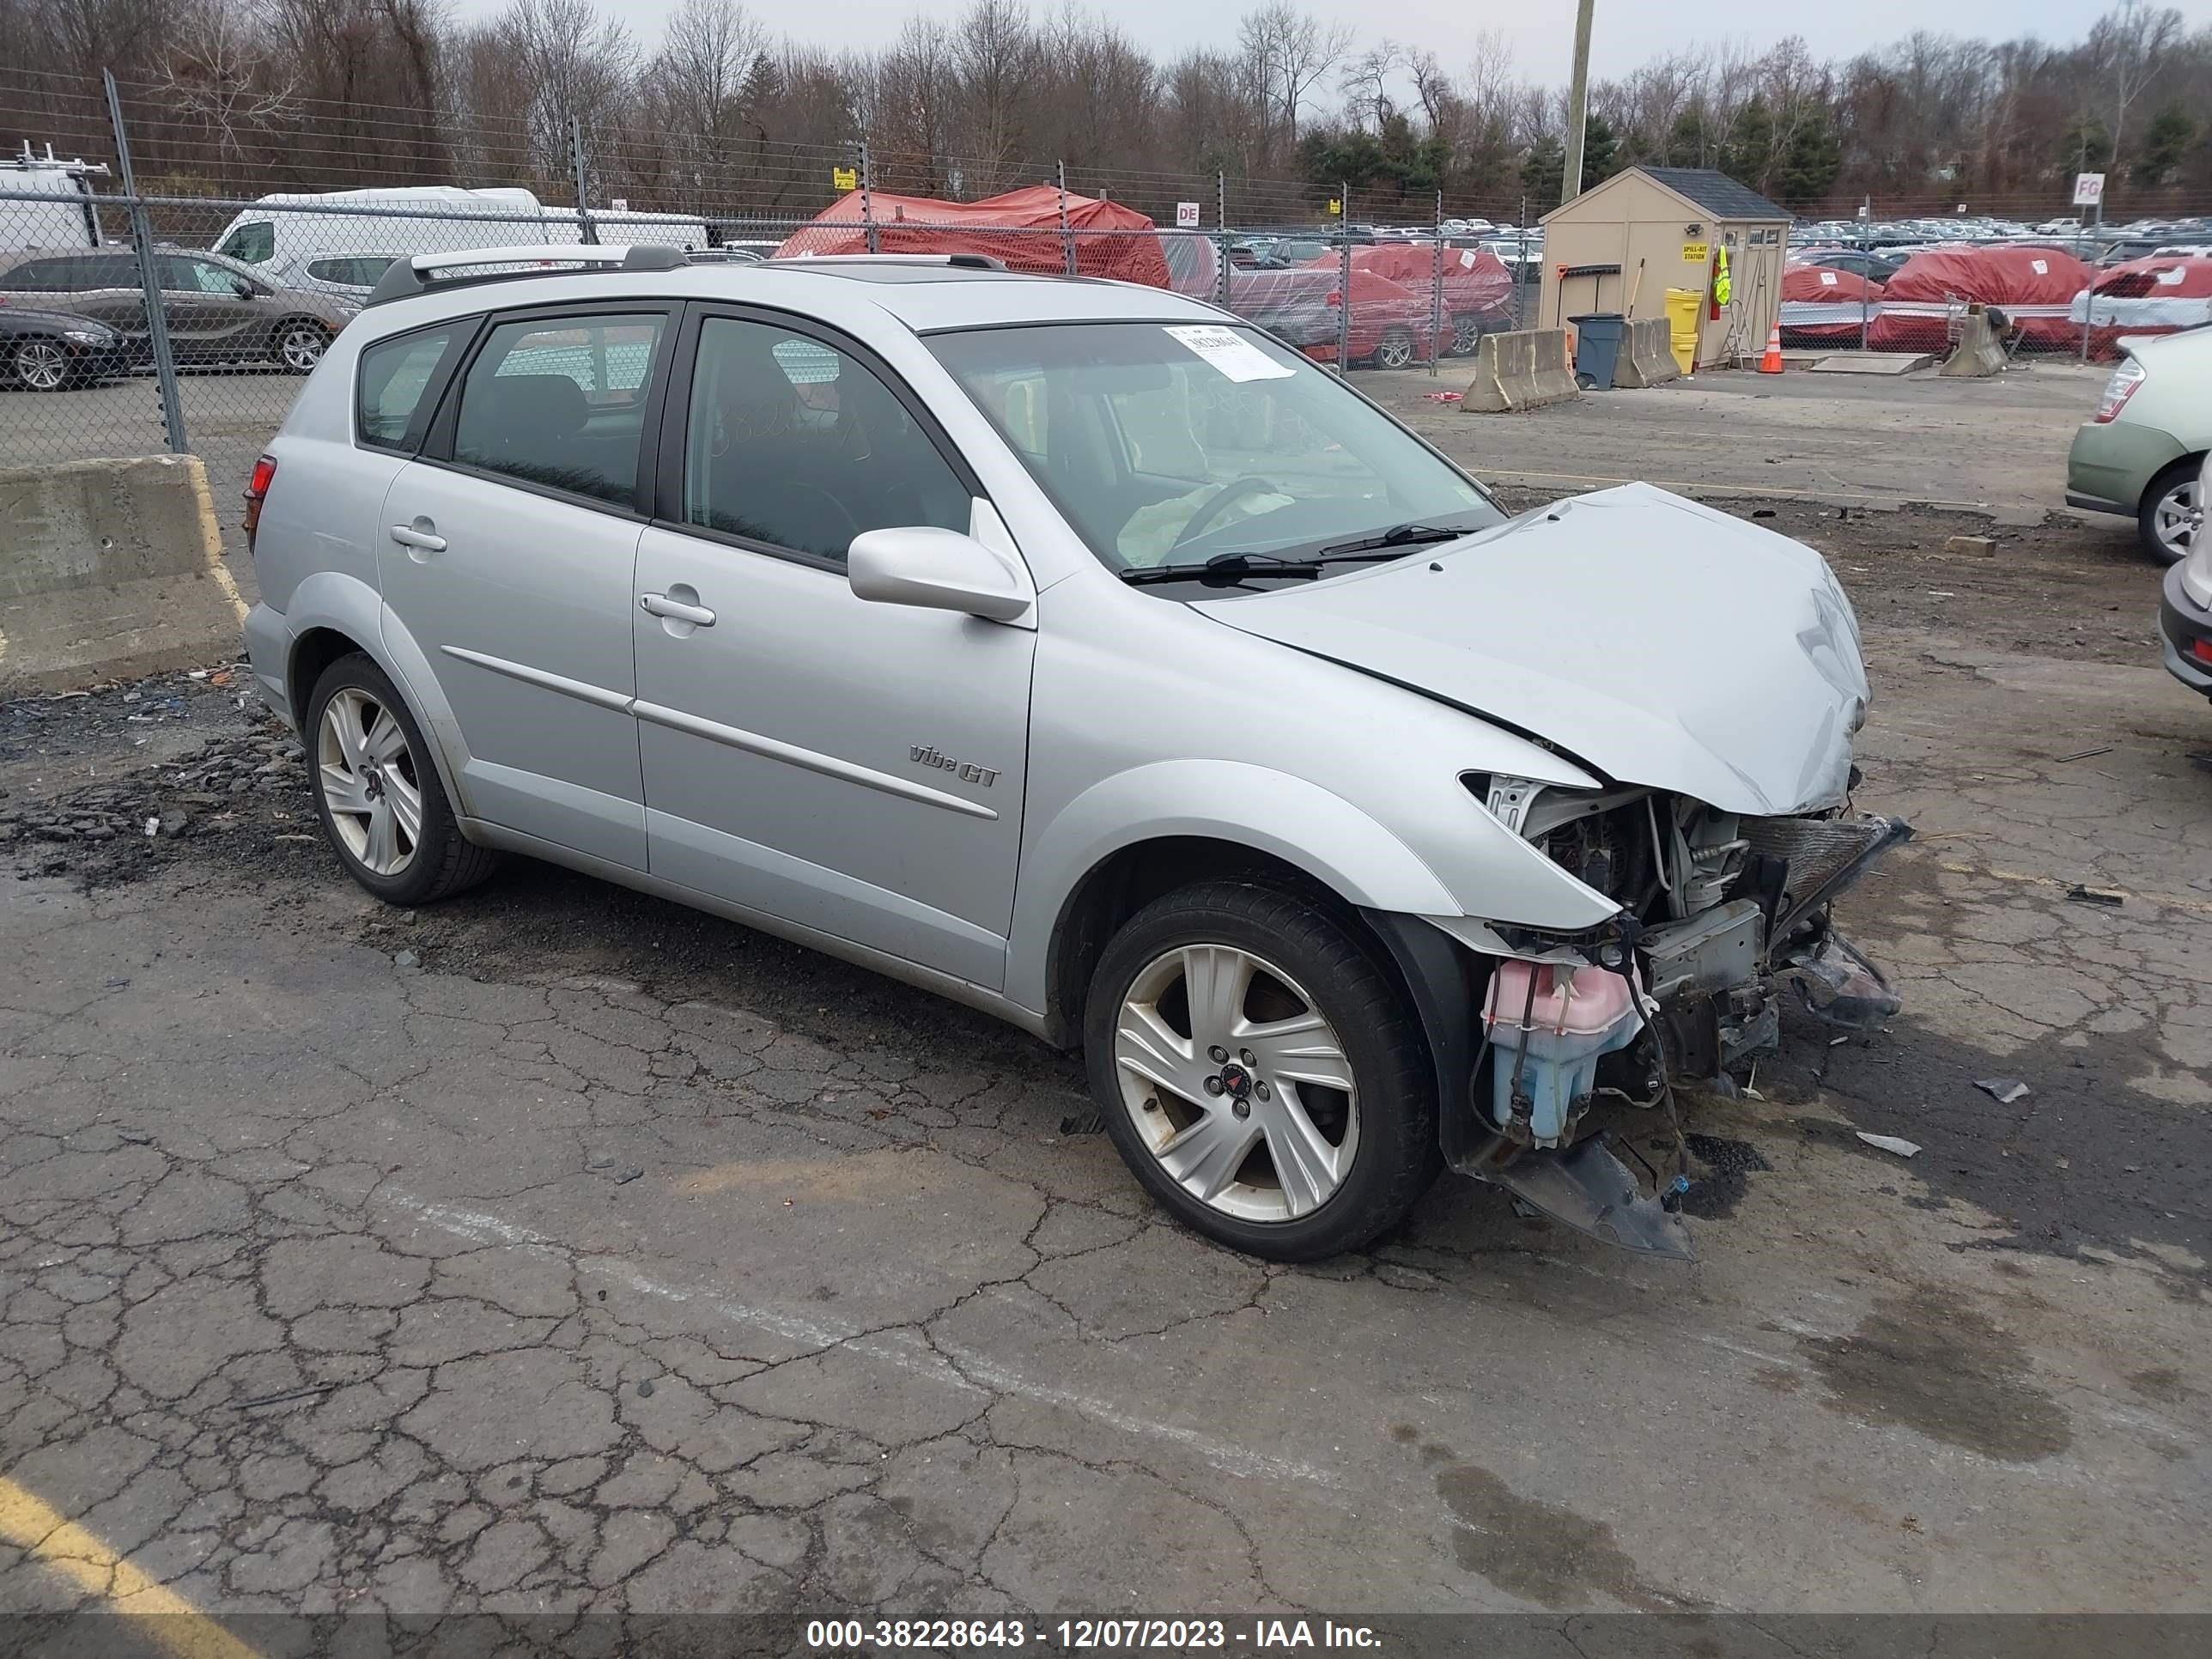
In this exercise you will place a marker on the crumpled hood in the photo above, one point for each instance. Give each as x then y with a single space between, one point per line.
1664 642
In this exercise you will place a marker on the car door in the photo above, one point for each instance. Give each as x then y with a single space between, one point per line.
105 287
212 310
507 555
852 767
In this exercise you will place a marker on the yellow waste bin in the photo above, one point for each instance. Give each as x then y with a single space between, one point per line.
1685 309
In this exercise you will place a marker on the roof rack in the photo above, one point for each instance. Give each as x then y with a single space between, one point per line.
418 275
958 261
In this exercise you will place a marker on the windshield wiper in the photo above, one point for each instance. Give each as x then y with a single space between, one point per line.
1398 535
1224 570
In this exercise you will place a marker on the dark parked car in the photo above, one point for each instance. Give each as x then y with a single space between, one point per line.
54 351
1875 267
218 311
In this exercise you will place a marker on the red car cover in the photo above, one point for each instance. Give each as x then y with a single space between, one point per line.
2144 296
1021 226
1476 283
2033 286
1819 305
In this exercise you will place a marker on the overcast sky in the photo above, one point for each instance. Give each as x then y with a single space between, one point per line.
1627 32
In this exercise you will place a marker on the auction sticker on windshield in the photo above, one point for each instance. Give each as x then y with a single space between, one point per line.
1230 353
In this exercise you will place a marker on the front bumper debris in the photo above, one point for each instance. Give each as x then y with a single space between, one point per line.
1588 1188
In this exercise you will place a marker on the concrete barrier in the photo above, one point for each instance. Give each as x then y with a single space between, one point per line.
1980 353
1521 370
110 569
1647 356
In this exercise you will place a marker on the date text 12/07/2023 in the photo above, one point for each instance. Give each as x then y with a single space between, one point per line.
1146 1635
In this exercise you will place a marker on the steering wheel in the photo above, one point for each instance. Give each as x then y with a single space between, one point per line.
1234 490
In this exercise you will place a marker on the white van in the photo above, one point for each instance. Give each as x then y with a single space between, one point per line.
281 235
65 215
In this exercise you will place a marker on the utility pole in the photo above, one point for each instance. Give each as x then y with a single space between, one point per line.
1570 177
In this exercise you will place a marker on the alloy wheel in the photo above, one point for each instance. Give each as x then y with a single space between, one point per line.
1467 335
369 781
1238 1083
41 365
2178 518
300 347
1395 350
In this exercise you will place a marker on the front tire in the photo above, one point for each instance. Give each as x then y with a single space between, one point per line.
377 791
1260 1072
2171 516
40 365
1467 335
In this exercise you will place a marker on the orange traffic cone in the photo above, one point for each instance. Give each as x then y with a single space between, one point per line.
1770 363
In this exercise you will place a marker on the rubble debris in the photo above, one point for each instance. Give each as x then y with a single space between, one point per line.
1979 547
2081 895
2002 1090
1896 1143
2084 754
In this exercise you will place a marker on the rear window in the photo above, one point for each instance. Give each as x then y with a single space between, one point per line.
256 243
394 375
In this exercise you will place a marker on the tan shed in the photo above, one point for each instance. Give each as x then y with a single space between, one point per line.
1621 244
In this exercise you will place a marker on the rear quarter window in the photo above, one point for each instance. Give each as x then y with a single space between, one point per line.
393 381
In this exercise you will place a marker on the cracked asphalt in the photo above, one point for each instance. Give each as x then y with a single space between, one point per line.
559 1251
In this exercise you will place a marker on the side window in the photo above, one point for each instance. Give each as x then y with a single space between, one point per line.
104 270
793 443
361 270
181 274
561 403
35 276
392 376
256 243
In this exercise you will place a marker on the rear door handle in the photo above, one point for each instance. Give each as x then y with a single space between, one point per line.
659 605
406 536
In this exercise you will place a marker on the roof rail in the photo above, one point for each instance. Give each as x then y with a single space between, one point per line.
418 275
958 261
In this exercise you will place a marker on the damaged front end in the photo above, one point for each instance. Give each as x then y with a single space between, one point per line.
1722 916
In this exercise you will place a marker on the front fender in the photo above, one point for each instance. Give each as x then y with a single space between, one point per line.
1298 821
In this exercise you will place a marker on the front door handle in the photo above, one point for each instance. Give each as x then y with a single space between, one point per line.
659 605
407 536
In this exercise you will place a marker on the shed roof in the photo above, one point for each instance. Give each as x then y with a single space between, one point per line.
1707 189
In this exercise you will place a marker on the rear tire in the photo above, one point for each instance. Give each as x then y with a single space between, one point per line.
1467 335
377 791
1395 349
299 345
1225 968
2162 520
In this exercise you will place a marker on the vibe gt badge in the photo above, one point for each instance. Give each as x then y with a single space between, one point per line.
923 754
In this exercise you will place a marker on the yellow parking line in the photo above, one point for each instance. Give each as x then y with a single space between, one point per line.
60 1543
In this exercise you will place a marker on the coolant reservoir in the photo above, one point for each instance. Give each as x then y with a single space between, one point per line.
1578 1015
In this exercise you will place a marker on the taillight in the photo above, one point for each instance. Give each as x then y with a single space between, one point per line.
257 491
2121 387
1333 298
2201 649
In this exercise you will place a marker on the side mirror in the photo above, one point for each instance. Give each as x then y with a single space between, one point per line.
244 290
939 570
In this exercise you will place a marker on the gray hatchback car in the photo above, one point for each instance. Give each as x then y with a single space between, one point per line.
1071 650
218 312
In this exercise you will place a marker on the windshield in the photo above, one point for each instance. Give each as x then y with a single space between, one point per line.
1171 444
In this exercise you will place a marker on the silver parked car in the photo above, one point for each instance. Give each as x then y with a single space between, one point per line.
1071 650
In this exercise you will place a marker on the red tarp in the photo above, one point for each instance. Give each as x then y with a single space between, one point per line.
1298 307
1021 226
2145 296
2033 286
1819 305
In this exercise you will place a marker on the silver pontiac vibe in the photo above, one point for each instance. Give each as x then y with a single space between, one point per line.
1075 651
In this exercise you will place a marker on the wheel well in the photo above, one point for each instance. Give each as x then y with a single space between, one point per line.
314 651
1124 883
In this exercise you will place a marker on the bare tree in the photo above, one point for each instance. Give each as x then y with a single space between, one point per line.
2130 45
1290 52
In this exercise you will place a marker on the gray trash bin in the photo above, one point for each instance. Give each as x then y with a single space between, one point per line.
1598 335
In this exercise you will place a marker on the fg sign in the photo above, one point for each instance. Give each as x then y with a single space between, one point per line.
2089 188
1185 216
